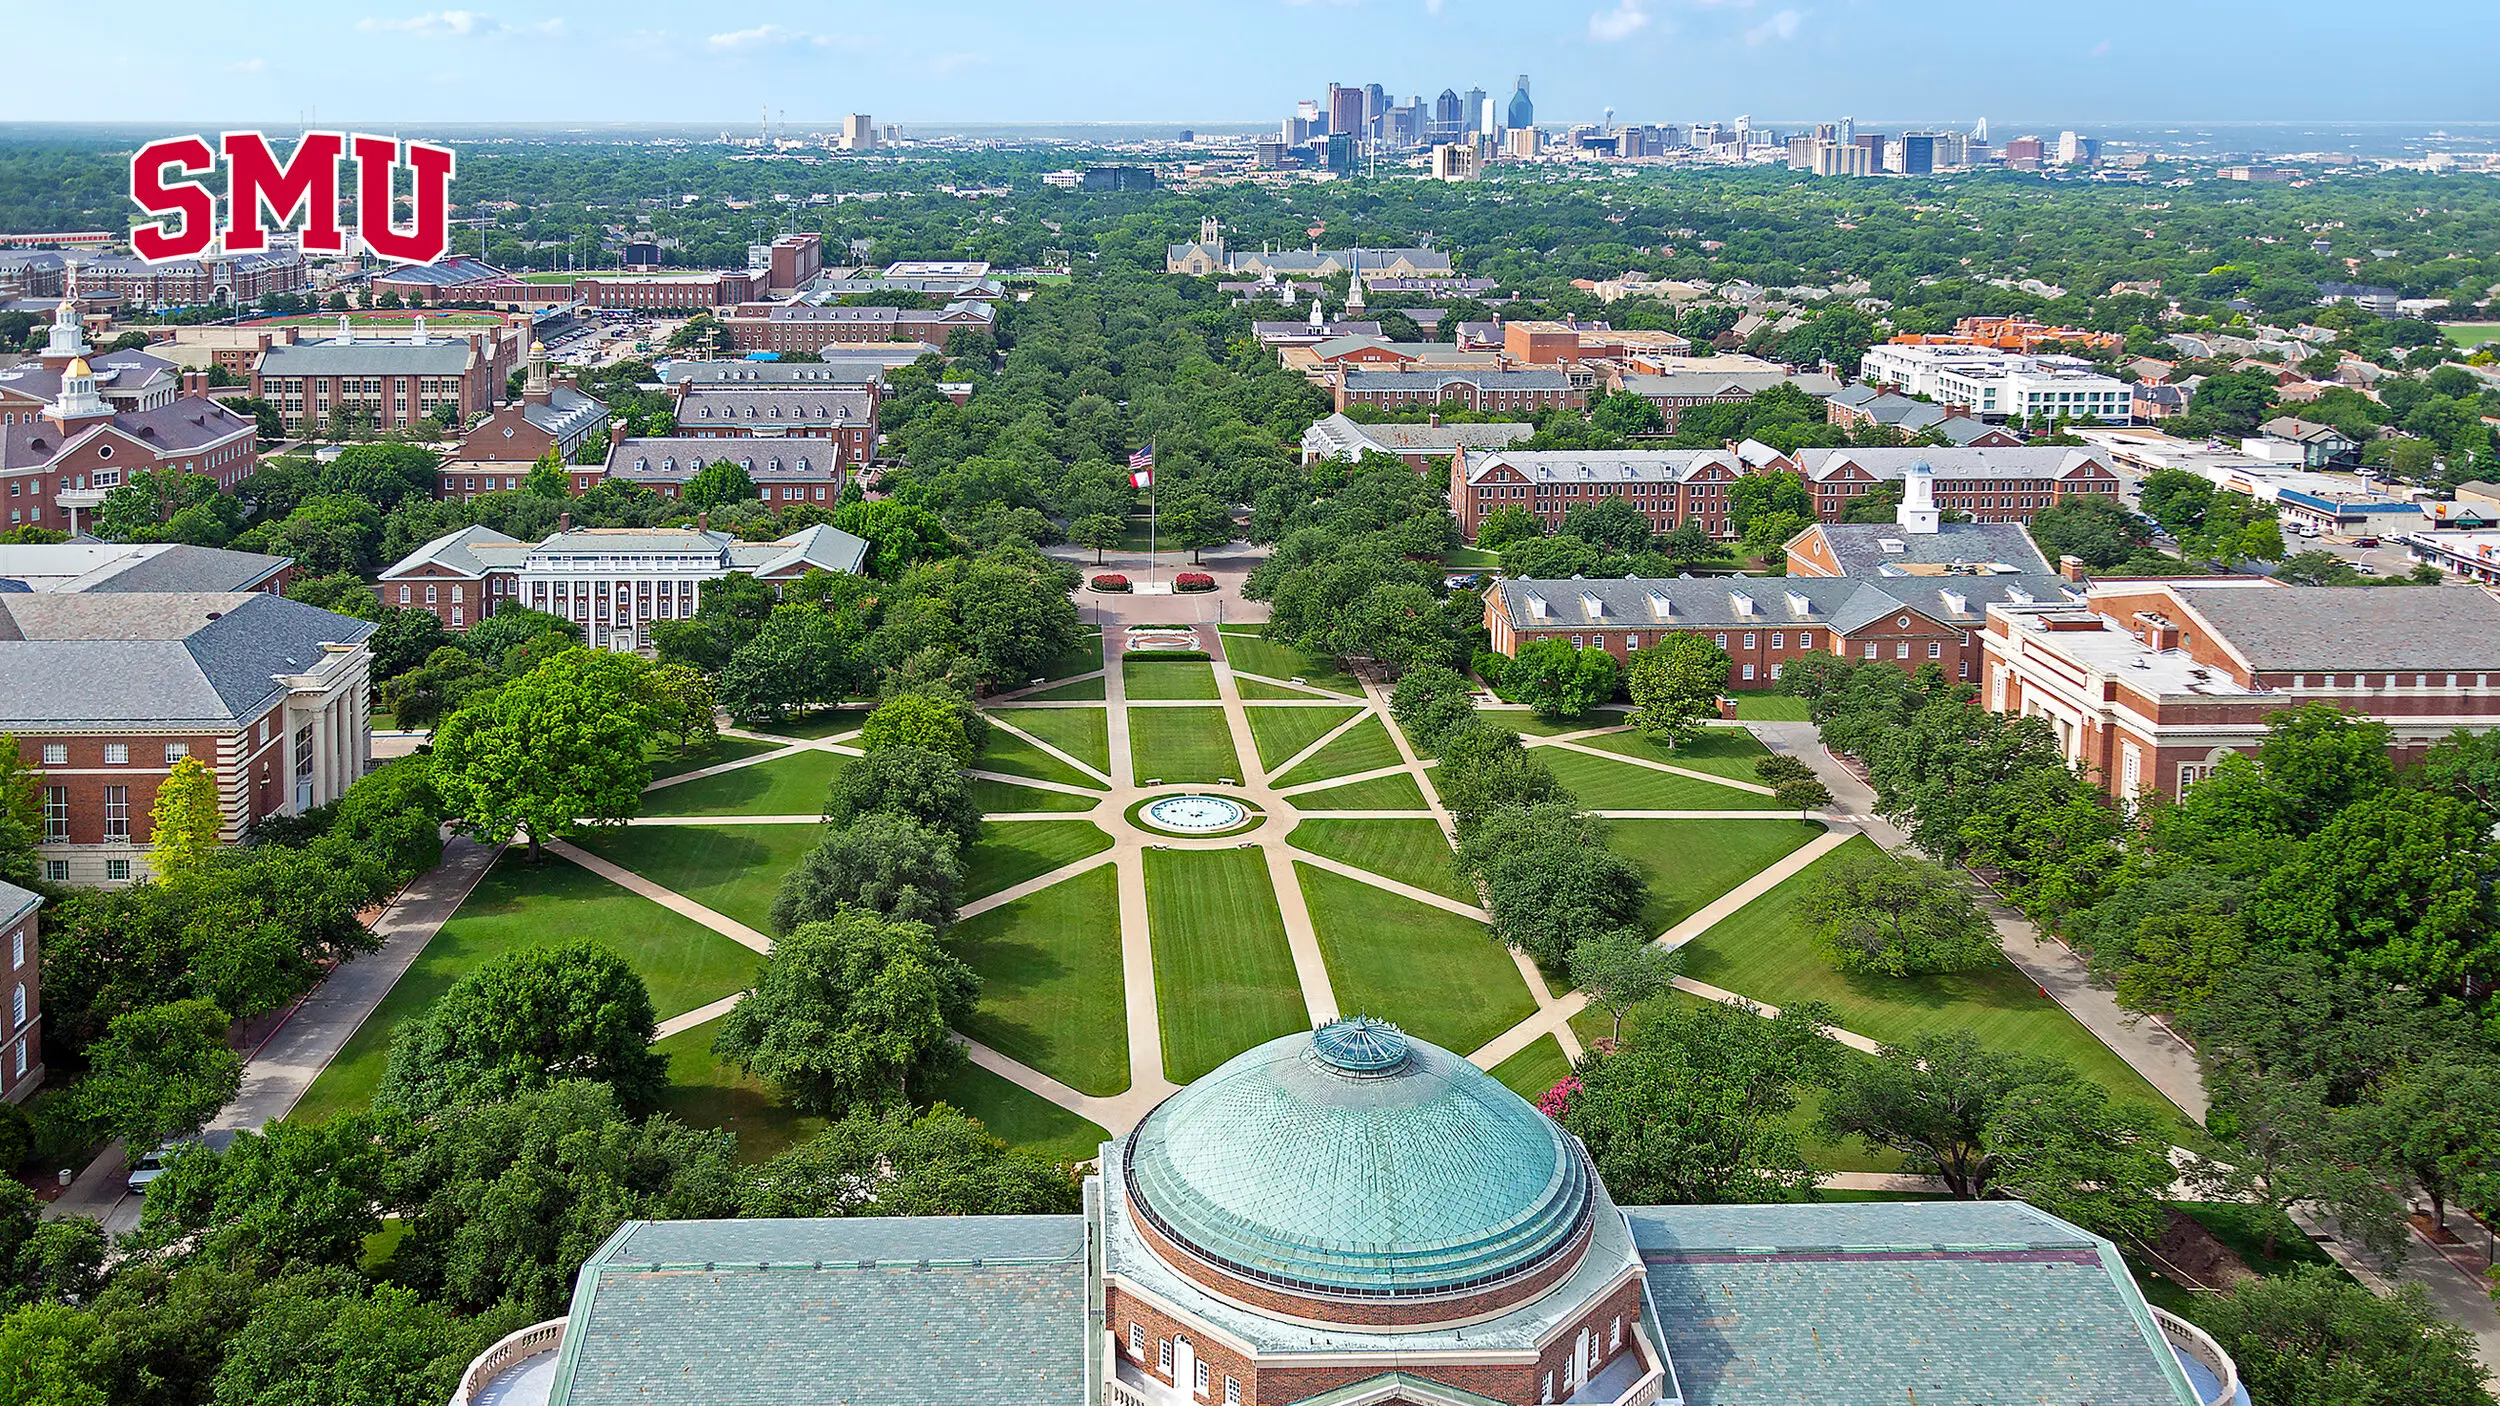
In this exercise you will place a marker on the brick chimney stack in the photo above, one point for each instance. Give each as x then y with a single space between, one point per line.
564 521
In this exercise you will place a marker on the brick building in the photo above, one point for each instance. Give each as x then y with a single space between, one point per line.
456 278
1989 483
223 279
1668 486
680 292
791 263
801 326
1675 391
390 383
1523 390
105 690
1337 437
552 413
785 470
21 1070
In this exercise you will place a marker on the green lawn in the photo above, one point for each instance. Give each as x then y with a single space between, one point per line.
1769 708
1050 980
1397 792
2471 334
1256 690
1691 862
1720 751
1528 724
1086 658
1020 1118
1080 691
823 723
1252 653
1082 733
1011 853
707 1091
1365 747
1535 1069
1436 974
1605 785
1282 732
1011 754
1224 977
1181 744
1764 951
1002 797
668 761
520 906
1156 680
731 869
1470 557
2243 1228
1413 852
792 785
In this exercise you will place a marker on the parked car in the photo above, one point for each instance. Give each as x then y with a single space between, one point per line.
147 1169
2365 541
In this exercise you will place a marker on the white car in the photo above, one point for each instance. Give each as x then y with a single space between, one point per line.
147 1169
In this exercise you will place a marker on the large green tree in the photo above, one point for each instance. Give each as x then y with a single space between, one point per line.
159 1073
938 1163
883 862
527 1019
1674 684
1694 1108
851 1011
1882 914
554 750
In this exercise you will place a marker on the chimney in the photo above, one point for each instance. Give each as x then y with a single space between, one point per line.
194 383
703 520
616 434
2070 566
1434 419
564 521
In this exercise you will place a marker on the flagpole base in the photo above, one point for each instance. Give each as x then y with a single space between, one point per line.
1152 588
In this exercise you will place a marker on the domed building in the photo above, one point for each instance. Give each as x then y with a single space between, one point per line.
1351 1216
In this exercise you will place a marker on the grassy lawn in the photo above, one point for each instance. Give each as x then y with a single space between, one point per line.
1691 862
707 1091
2243 1228
1256 690
1282 732
1535 1069
1763 951
1223 974
793 785
2471 334
731 869
519 906
1413 852
1084 659
823 723
1438 975
1397 792
1605 785
1181 744
1019 1118
1010 854
1003 797
1083 690
1050 980
1156 680
668 761
1251 652
1082 733
1016 757
1769 708
1470 557
1365 747
1720 751
1528 724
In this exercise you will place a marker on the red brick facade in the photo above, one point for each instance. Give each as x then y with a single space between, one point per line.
21 1063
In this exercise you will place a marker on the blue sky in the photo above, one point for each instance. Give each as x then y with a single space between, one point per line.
1128 60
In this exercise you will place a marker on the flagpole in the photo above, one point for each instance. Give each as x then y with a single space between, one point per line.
1154 496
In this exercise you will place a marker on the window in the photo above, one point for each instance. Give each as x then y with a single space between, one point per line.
56 754
1200 1385
17 949
17 1006
1614 1334
117 812
2130 770
1232 1392
176 751
1775 671
1874 650
1935 649
117 754
1901 650
1749 672
1777 638
430 595
1163 1356
1546 1392
2192 772
1719 640
117 871
21 1057
1137 1342
56 871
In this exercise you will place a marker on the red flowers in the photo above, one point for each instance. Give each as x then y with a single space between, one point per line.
1111 582
1193 581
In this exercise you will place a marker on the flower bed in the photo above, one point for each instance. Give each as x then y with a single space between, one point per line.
1112 582
1193 581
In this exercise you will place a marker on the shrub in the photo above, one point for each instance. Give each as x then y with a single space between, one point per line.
1779 767
1193 581
1111 582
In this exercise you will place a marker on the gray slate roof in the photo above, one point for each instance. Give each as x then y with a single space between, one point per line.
436 357
15 901
1340 437
109 657
1939 1302
1951 463
677 458
1769 602
1526 379
101 566
1862 548
2341 629
836 369
765 407
1602 465
927 1311
566 412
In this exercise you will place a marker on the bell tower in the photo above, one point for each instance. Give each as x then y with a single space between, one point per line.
1917 514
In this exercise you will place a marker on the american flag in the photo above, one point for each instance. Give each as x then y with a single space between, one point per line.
1141 467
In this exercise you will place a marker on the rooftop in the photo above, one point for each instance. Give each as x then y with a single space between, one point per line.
193 656
2342 629
130 566
1886 549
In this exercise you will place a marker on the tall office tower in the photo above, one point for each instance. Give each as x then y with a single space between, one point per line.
1744 130
1447 115
1826 132
2074 149
1345 111
1918 153
1848 131
1872 143
1471 109
1522 111
1801 152
1490 124
858 133
1343 148
1375 107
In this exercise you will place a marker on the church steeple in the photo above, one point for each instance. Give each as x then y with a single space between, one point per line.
1354 284
68 339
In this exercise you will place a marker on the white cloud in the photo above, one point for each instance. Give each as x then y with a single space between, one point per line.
761 37
459 24
247 66
1432 7
2099 51
1780 26
1627 18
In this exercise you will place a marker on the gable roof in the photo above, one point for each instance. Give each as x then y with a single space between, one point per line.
134 657
112 566
1697 603
1885 549
1601 465
1339 435
1953 462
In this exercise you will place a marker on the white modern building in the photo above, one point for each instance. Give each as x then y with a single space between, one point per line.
1998 385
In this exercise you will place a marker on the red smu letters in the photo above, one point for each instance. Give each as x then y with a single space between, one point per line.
307 181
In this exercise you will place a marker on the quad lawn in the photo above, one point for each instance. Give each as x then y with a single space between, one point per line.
1009 854
791 785
1258 690
1691 862
1086 658
666 760
1050 980
1764 951
517 906
1769 708
1605 785
1528 724
1157 680
1224 976
1008 798
2471 334
1535 1069
1470 557
1413 852
706 1091
734 870
1397 792
1436 974
1082 733
1252 653
1015 756
1720 751
1083 690
1181 744
1019 1118
1283 732
821 724
1364 747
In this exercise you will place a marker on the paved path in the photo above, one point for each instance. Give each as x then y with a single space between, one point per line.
2458 1296
667 898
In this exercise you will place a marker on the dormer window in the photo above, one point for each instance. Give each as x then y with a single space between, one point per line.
1591 606
1798 605
1956 602
1660 608
1537 608
1740 603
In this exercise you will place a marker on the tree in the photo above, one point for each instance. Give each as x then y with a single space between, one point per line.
1897 915
1430 702
21 813
1506 526
341 593
2324 759
1693 1109
1766 537
556 749
1609 522
381 474
1802 793
2177 499
1559 681
1195 521
923 720
147 500
1012 613
1485 768
2397 884
2314 1338
899 535
2092 526
802 656
2438 1119
1551 882
1620 970
425 695
938 1163
718 484
2230 403
376 1345
547 478
882 863
1100 531
850 1011
159 1073
1674 684
1779 495
186 824
330 532
294 1196
44 1352
915 783
526 1020
683 706
404 639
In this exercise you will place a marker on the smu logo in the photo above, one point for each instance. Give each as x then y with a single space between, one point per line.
258 186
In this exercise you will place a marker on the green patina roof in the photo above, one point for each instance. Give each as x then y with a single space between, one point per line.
1359 1161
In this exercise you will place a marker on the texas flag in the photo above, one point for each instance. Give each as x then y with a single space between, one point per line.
1142 467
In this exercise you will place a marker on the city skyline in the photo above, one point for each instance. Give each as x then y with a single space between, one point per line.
988 62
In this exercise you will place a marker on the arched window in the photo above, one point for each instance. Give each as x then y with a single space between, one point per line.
17 1005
